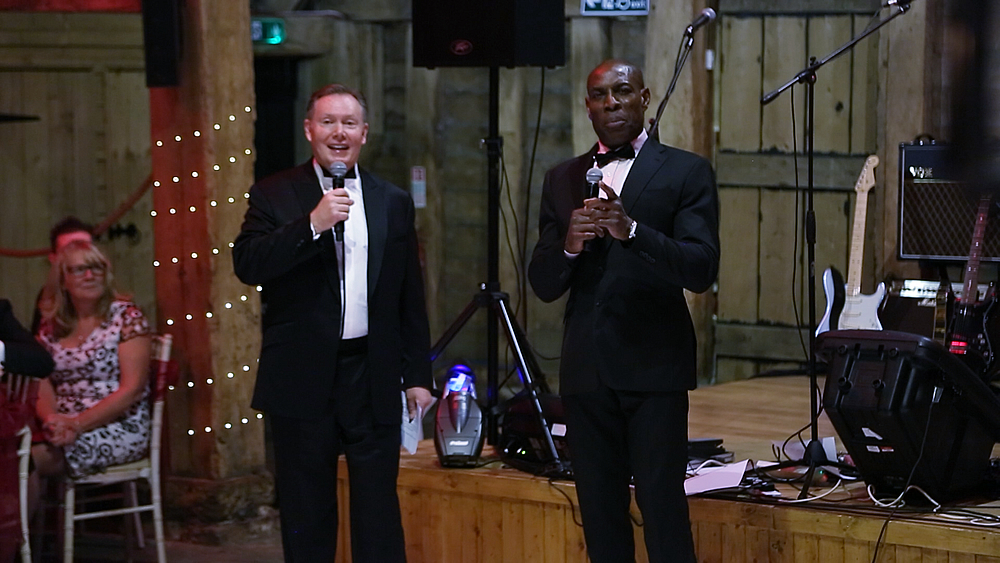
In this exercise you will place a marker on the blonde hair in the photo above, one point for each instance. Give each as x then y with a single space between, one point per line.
56 305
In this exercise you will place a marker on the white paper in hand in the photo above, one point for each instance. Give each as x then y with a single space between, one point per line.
412 431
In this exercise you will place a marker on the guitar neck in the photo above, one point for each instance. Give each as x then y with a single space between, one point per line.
970 284
857 255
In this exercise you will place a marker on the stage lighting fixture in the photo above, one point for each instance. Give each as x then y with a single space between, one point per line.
458 428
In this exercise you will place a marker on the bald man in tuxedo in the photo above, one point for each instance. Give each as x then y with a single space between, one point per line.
628 353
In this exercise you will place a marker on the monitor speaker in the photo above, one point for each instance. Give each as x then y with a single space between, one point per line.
503 33
892 395
161 38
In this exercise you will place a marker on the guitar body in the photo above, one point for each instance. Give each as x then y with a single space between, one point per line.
969 337
861 311
833 288
856 312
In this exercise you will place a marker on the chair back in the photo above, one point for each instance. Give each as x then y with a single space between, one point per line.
162 371
17 408
18 389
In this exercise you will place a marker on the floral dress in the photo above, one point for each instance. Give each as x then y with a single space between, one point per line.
85 375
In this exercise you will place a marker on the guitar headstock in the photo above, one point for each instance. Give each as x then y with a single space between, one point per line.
866 180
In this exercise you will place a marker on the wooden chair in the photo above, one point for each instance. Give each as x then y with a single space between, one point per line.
147 468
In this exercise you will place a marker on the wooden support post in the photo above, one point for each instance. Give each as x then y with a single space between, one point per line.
687 120
202 153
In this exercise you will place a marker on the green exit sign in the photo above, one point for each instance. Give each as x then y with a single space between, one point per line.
269 31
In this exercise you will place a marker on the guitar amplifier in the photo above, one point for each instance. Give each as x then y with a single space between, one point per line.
937 211
920 307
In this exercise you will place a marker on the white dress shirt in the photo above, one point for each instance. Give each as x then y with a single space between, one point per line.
615 172
354 288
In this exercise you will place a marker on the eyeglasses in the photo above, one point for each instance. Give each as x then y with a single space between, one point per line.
79 271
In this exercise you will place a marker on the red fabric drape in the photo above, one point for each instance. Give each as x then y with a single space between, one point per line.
131 6
13 416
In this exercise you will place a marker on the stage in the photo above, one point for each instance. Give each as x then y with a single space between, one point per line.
499 514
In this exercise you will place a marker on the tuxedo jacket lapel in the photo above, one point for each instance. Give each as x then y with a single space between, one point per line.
652 156
308 192
579 171
307 188
378 226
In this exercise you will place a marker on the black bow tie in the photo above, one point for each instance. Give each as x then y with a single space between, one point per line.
350 173
624 152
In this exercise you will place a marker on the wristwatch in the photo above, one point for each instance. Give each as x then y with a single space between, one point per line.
631 230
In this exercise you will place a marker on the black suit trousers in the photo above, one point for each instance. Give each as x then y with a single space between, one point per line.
306 452
614 436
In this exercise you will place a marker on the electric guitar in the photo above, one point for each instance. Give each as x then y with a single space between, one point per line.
967 336
858 311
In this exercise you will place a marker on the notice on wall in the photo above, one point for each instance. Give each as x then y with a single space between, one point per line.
418 186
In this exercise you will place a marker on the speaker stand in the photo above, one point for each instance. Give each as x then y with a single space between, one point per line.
495 301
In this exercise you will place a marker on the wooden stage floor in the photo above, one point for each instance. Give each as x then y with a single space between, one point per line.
498 514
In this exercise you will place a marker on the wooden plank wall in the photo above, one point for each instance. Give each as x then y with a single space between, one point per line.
762 282
91 84
436 119
81 75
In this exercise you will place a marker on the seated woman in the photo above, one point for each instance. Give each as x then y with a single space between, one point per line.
94 406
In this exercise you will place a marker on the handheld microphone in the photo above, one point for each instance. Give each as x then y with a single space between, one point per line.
339 171
594 177
706 17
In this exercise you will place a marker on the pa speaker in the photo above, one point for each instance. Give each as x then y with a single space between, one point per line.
503 33
903 405
161 38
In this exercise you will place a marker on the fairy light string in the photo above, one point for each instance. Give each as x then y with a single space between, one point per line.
176 180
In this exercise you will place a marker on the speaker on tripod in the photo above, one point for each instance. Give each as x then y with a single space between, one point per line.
506 33
161 41
494 34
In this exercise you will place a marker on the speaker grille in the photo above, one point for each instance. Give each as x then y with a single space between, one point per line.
938 222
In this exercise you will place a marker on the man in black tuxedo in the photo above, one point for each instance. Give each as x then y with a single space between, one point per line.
20 353
345 330
628 354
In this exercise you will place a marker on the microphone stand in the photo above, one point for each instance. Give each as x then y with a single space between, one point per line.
814 455
687 41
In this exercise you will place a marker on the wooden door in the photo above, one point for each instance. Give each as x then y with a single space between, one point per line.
762 304
83 150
